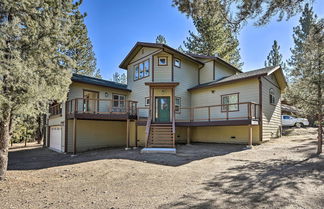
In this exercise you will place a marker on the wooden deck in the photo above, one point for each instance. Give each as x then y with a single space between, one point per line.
100 109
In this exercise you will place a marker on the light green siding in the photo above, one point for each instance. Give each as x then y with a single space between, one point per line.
271 116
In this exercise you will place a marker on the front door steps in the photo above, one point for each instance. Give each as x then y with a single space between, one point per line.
159 150
161 135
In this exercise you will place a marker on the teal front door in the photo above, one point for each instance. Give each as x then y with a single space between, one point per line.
162 109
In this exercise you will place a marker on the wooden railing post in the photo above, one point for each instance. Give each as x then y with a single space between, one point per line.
209 113
75 105
227 111
249 110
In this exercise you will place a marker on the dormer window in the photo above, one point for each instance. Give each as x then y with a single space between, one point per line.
163 61
177 63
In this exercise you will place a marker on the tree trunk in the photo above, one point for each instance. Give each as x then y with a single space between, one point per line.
320 134
4 143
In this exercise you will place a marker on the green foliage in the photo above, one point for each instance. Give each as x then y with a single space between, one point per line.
275 57
81 49
300 35
34 68
119 78
214 38
160 39
261 10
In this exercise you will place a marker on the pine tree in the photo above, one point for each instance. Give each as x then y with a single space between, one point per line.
261 10
275 57
81 49
34 70
160 39
119 78
214 38
301 32
307 89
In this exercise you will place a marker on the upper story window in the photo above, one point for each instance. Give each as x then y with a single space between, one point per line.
142 70
177 104
163 61
177 62
230 102
272 98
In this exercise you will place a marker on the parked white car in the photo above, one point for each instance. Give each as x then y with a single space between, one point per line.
288 120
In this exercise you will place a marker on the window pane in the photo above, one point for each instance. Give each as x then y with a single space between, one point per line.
178 101
147 68
141 70
136 72
162 61
177 63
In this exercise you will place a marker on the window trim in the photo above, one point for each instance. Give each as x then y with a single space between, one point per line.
238 102
93 91
174 61
166 60
138 74
113 100
272 96
147 98
175 104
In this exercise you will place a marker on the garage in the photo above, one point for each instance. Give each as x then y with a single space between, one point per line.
56 138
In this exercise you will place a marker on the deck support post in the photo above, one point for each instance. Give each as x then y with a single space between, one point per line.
127 133
250 136
74 136
136 133
188 135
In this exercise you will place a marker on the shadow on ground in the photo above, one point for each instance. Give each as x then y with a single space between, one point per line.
40 158
268 184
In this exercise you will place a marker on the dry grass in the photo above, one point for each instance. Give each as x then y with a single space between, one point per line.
283 173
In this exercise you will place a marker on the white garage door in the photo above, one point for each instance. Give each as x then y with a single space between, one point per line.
55 138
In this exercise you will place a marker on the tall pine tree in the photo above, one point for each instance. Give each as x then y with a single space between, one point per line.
160 39
215 37
81 49
300 35
34 70
307 89
275 57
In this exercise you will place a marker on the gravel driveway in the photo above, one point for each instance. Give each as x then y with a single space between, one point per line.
282 173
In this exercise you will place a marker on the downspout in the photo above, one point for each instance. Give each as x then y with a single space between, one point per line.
260 107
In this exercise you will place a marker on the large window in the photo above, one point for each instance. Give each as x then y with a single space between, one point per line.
142 70
230 102
119 103
272 98
177 104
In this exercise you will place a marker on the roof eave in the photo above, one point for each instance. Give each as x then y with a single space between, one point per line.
122 89
225 82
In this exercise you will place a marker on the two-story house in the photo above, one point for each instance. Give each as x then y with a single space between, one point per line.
170 98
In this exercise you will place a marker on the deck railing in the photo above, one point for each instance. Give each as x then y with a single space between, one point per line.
101 106
55 109
236 111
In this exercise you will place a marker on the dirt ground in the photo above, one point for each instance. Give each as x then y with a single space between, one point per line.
282 173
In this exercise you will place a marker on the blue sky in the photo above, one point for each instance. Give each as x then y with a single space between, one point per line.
115 26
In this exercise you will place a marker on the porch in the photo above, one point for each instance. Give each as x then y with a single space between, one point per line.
245 113
101 109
